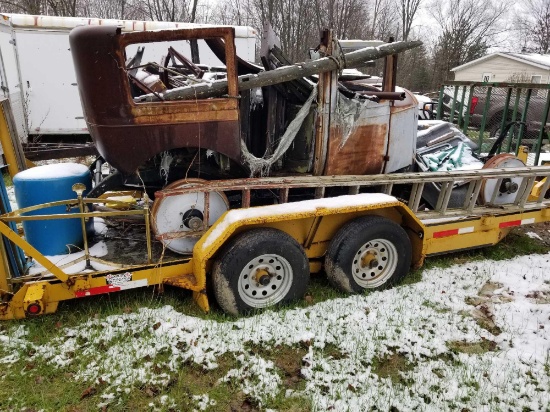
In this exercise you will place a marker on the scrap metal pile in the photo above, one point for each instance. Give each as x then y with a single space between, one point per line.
174 125
180 118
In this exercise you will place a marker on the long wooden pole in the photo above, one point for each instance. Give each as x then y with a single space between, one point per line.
286 73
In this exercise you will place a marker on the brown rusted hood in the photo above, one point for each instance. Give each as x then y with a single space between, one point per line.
127 133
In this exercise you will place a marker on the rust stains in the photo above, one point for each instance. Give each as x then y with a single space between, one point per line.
127 133
363 152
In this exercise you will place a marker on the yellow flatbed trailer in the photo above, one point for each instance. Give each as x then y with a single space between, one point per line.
261 256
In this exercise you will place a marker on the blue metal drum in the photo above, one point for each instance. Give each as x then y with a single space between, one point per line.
49 183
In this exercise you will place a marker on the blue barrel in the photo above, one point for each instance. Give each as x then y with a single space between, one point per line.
50 183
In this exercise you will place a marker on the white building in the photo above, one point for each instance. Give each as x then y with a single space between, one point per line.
506 67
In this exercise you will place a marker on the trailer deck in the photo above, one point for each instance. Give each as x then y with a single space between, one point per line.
311 223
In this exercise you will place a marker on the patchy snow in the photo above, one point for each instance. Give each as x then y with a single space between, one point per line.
203 401
306 206
346 341
533 235
11 197
100 227
66 261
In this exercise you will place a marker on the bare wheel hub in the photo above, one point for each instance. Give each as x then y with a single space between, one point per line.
192 219
374 263
263 277
368 260
177 220
265 280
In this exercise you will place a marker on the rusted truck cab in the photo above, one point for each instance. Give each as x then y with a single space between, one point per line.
127 133
165 137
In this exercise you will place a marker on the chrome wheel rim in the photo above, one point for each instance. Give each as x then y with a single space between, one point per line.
265 280
374 263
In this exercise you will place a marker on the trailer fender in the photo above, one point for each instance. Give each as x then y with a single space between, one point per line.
312 223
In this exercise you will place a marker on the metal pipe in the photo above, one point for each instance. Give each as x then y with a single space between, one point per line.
147 228
385 95
79 189
285 73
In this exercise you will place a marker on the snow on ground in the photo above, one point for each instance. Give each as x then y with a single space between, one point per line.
11 196
431 326
74 262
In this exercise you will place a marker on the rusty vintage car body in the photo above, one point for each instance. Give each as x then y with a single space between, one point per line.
344 132
128 134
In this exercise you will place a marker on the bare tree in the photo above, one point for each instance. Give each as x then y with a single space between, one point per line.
111 9
534 26
293 20
63 7
24 6
467 28
347 18
167 10
383 22
408 9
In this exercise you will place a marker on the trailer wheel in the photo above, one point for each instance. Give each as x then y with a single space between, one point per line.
259 268
370 252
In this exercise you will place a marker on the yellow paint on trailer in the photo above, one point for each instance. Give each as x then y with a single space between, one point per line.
319 230
36 300
537 189
13 309
56 291
299 225
313 228
476 232
201 299
32 252
7 144
315 266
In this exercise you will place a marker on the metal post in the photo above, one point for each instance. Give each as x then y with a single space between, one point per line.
453 105
468 108
440 103
5 277
514 116
461 112
147 228
79 189
505 114
484 119
523 119
542 127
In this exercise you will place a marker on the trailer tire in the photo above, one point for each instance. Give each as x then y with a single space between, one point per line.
259 268
370 252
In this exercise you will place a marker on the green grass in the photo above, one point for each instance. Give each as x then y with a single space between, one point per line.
7 179
73 312
27 383
392 366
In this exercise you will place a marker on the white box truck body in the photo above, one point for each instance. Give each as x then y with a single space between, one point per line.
37 73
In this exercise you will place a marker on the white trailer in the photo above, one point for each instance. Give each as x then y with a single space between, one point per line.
37 72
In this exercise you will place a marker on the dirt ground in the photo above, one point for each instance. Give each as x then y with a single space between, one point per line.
542 230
